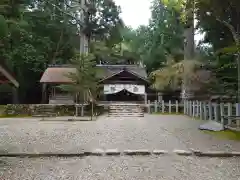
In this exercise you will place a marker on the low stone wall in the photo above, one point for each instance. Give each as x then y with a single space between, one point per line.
32 109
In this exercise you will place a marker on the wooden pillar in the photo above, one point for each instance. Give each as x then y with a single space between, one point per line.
177 106
210 110
44 93
82 110
145 98
205 111
215 109
159 97
149 106
229 113
163 107
201 110
222 113
15 99
155 106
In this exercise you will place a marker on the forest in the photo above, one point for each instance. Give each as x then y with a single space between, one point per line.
36 33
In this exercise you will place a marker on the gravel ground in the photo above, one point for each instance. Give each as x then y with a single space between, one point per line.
120 168
166 132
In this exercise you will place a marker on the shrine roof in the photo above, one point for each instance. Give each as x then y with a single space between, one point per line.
57 74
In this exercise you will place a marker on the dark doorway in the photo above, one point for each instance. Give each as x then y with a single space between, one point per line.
124 95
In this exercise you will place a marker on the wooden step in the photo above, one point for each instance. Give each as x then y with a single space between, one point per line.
125 110
126 114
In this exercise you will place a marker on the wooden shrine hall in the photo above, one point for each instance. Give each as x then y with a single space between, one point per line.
120 83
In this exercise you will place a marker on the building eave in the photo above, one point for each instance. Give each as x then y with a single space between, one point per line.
9 77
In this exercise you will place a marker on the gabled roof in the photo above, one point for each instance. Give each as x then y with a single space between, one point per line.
57 74
6 76
107 71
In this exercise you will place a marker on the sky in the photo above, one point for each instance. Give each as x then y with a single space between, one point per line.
137 12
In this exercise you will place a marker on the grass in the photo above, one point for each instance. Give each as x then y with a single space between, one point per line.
227 134
2 108
14 116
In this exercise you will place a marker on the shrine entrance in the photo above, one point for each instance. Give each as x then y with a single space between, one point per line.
124 96
124 92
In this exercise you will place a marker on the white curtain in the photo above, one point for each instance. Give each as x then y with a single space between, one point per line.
115 88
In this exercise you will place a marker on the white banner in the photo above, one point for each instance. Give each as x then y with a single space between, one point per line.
115 88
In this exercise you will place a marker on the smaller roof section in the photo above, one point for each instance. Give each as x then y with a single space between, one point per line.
6 76
57 75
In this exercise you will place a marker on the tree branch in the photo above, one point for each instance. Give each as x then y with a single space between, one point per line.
236 36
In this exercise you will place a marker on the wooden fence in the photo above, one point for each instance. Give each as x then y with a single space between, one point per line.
212 111
164 107
199 109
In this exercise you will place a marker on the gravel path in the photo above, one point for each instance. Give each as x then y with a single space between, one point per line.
120 168
167 132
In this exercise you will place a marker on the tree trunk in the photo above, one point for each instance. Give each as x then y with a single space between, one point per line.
189 46
15 99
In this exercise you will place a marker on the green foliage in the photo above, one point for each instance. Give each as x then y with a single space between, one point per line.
219 21
162 37
171 76
102 21
84 79
47 34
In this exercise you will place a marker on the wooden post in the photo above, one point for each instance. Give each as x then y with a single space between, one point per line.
238 113
184 107
44 93
149 106
163 106
197 113
205 111
222 112
170 107
187 106
229 113
159 97
145 99
193 112
210 110
82 110
190 107
76 108
201 110
215 109
177 106
155 106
